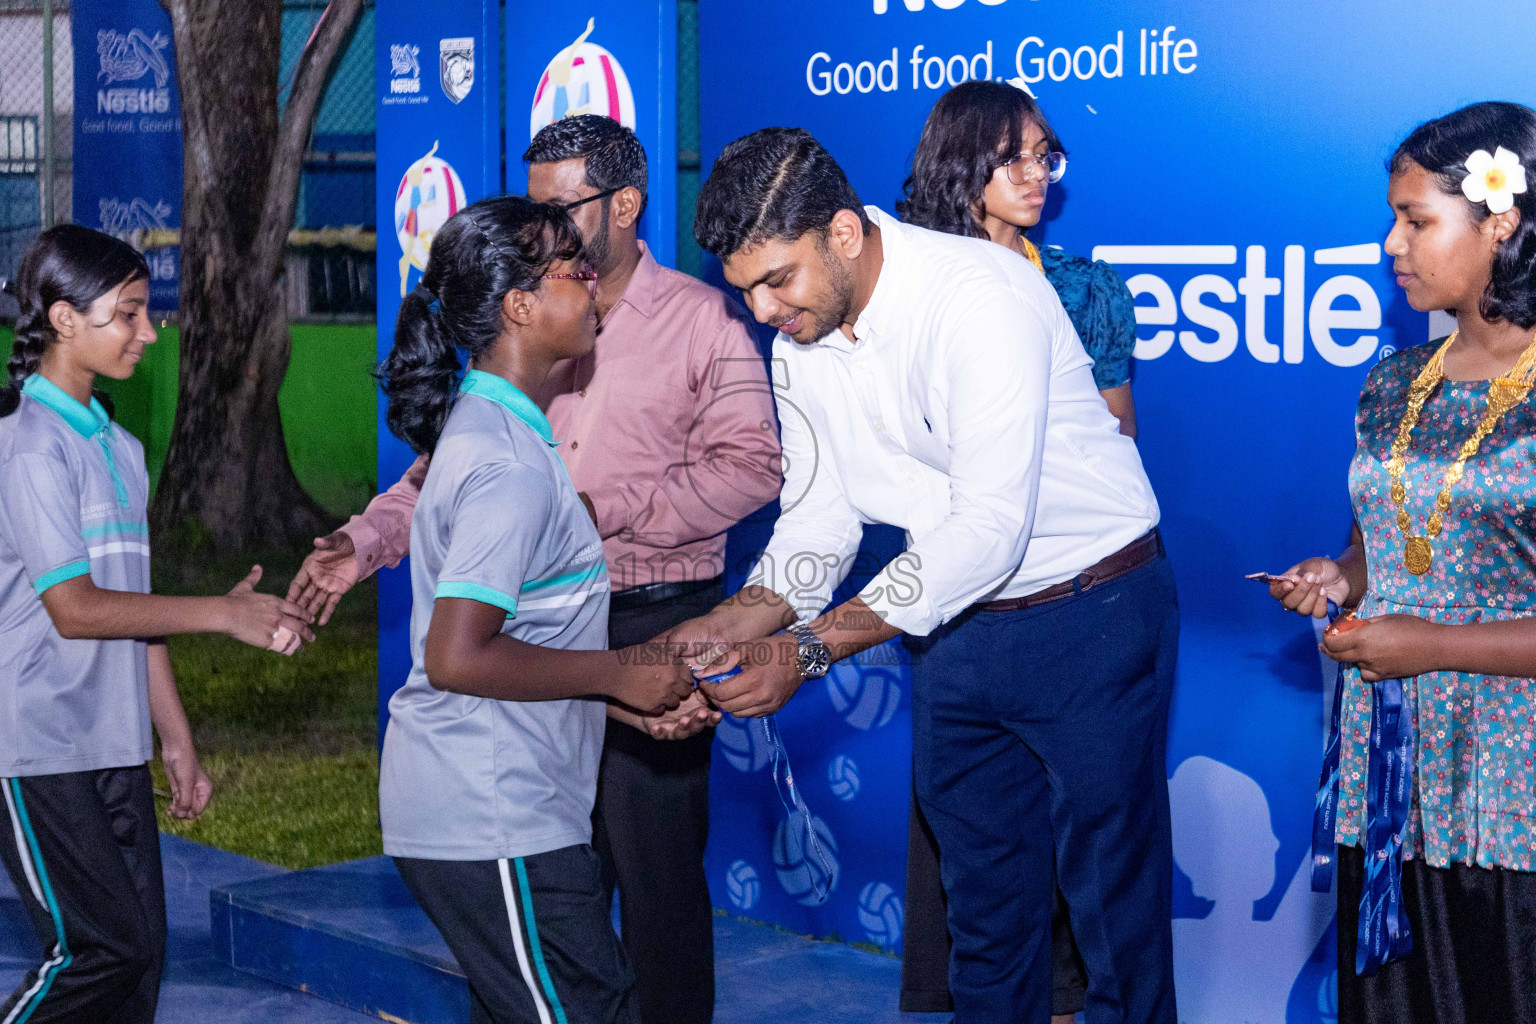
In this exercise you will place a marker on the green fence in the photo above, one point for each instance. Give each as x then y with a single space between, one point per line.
327 402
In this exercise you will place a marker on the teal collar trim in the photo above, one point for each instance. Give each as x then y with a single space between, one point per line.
505 394
91 423
87 421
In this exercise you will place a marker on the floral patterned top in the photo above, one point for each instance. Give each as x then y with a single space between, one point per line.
1100 306
1474 799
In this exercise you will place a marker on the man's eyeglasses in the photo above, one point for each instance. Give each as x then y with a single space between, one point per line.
1053 165
588 276
568 207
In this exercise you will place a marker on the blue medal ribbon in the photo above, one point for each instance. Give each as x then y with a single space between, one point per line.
1384 933
797 814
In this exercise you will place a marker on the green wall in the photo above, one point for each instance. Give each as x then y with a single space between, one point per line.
327 402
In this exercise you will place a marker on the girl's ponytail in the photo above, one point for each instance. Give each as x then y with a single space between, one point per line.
420 374
483 252
32 334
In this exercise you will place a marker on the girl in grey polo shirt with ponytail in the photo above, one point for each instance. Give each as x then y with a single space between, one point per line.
86 673
489 769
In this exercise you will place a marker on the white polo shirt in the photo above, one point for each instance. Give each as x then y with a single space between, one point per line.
964 412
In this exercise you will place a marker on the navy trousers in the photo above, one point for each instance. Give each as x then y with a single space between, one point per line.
1041 735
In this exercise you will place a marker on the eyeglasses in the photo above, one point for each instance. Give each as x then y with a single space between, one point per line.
588 276
1053 165
568 207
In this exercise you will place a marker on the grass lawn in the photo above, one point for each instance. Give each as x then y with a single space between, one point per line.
290 743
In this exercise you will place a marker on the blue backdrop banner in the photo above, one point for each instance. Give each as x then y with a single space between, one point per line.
1228 159
438 149
127 156
612 57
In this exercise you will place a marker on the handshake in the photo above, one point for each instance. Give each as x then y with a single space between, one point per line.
263 620
658 681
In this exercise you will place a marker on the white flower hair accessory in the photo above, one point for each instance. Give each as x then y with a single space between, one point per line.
1494 180
1019 83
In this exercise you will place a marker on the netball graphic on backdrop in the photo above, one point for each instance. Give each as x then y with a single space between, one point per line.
880 914
805 858
430 192
743 885
583 78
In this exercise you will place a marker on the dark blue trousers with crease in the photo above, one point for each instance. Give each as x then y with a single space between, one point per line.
1041 734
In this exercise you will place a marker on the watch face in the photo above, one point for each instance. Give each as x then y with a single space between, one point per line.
817 660
813 658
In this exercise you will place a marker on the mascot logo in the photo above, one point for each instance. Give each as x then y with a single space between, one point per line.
429 193
583 78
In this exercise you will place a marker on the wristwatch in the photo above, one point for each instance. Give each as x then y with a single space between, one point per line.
813 659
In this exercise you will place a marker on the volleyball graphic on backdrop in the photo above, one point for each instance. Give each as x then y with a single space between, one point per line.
880 914
430 192
866 697
1328 999
742 743
843 777
803 871
583 78
742 885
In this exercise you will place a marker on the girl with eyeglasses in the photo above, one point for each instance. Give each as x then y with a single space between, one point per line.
983 167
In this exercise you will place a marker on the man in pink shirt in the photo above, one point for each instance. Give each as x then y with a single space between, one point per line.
668 432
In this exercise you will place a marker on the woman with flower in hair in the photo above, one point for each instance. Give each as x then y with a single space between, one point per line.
1431 792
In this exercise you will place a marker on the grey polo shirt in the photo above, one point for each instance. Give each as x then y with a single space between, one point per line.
73 493
498 521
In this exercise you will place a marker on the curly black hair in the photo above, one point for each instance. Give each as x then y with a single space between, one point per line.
1441 147
615 158
972 130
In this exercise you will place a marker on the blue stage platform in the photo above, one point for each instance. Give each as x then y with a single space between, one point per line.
197 989
351 933
318 946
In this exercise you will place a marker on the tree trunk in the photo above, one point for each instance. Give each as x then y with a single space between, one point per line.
227 475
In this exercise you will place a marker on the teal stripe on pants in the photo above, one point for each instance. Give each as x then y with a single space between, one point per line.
526 892
61 953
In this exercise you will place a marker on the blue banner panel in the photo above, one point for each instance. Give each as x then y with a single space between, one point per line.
439 149
612 57
127 158
1228 159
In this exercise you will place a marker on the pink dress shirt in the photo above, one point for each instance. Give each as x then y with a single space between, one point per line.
668 426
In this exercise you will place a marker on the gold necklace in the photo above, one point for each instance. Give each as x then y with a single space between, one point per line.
1504 393
1031 253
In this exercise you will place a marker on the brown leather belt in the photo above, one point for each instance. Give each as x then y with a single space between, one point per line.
1128 559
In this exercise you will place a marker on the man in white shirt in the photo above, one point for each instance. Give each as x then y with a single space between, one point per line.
935 383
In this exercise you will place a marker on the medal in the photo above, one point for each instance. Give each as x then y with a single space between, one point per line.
1418 555
1504 393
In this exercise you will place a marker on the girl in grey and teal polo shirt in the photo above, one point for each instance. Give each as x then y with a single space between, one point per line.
81 685
489 769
